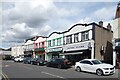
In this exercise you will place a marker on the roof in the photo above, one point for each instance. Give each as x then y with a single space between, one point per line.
35 38
89 59
93 23
56 33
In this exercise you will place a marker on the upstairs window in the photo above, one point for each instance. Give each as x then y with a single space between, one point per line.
53 42
42 44
69 39
49 43
59 41
76 38
84 36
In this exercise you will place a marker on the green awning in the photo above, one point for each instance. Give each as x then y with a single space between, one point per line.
39 49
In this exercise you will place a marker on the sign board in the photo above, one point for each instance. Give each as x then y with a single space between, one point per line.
77 46
54 49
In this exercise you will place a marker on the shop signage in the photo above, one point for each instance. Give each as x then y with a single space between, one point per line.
76 46
54 49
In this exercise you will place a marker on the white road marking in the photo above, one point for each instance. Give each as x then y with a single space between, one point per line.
52 74
6 65
27 67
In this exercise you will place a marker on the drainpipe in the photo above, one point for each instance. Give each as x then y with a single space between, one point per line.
92 50
63 46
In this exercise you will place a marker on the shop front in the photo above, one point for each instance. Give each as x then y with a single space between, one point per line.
28 53
78 51
40 53
53 53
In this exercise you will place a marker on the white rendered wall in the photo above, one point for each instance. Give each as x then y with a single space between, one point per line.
116 28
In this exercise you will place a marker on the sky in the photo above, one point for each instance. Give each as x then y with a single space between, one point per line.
23 19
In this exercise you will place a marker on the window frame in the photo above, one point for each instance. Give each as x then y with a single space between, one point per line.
85 36
58 41
86 62
76 37
69 39
53 42
49 43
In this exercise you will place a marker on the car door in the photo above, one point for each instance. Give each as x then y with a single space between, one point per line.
88 66
50 63
55 63
85 65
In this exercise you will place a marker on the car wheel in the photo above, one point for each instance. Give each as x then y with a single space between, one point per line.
47 65
78 69
59 66
38 64
31 63
99 72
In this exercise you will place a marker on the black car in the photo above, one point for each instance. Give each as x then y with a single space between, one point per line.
59 63
38 61
27 60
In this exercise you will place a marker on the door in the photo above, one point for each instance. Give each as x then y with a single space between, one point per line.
86 65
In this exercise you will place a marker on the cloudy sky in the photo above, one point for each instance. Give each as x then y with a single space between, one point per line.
23 19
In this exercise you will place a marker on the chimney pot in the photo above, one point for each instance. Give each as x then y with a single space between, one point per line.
109 26
101 23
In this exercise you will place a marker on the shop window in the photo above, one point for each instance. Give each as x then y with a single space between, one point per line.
49 43
76 37
84 36
69 39
59 41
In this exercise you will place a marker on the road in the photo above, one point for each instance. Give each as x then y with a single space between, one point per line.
15 70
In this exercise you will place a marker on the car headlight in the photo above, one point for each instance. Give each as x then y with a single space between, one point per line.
106 68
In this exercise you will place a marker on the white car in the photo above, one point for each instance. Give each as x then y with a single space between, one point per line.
94 66
18 59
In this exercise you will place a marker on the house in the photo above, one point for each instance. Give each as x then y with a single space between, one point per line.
29 47
116 37
54 48
17 50
5 54
40 47
88 41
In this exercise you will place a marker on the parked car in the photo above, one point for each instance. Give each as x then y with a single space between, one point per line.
18 59
6 57
32 60
38 61
94 66
27 60
59 63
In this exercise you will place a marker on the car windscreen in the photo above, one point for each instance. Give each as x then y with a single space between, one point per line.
96 62
40 59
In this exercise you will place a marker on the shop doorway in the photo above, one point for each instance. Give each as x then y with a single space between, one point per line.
77 57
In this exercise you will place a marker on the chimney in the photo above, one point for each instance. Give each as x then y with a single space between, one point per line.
101 23
109 26
117 15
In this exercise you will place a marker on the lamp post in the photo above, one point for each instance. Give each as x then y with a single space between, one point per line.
34 47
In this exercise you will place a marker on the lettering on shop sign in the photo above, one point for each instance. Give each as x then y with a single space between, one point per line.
75 47
54 49
80 46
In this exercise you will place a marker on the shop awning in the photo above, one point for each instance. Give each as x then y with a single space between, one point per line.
73 53
39 49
